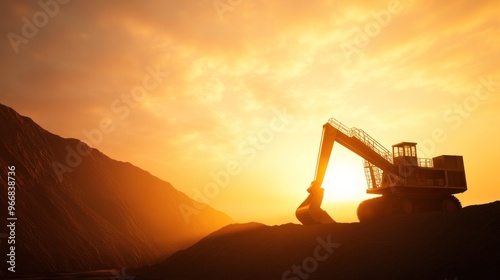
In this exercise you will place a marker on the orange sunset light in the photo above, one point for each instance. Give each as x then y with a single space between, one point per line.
227 103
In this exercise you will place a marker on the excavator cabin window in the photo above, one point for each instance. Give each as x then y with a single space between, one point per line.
405 149
410 151
398 151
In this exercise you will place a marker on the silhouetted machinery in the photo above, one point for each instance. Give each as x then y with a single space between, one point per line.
407 184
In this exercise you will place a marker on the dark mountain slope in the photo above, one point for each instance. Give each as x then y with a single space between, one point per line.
96 213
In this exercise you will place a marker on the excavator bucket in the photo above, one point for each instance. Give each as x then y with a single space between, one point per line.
310 212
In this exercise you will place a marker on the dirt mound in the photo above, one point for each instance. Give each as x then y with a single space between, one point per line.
462 245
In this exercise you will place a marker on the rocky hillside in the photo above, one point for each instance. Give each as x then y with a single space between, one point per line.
79 210
431 246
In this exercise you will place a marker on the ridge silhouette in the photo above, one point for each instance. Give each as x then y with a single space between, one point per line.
102 214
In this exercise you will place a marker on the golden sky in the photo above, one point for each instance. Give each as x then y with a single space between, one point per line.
194 90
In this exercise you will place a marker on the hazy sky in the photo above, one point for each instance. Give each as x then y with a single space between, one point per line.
227 98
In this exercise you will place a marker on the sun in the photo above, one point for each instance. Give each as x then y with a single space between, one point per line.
344 178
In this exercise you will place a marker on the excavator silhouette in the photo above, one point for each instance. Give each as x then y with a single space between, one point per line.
407 184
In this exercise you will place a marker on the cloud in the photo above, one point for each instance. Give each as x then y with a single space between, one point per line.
226 75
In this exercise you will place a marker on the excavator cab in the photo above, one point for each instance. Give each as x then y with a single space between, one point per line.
405 153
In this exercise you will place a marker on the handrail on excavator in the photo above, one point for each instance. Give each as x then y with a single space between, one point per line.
363 137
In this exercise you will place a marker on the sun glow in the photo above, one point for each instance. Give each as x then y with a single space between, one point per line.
344 179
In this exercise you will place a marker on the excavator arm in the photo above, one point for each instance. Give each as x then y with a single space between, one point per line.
310 212
356 140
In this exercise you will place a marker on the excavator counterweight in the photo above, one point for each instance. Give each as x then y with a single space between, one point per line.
407 184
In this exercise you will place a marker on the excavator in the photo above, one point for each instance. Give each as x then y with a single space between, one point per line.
405 183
